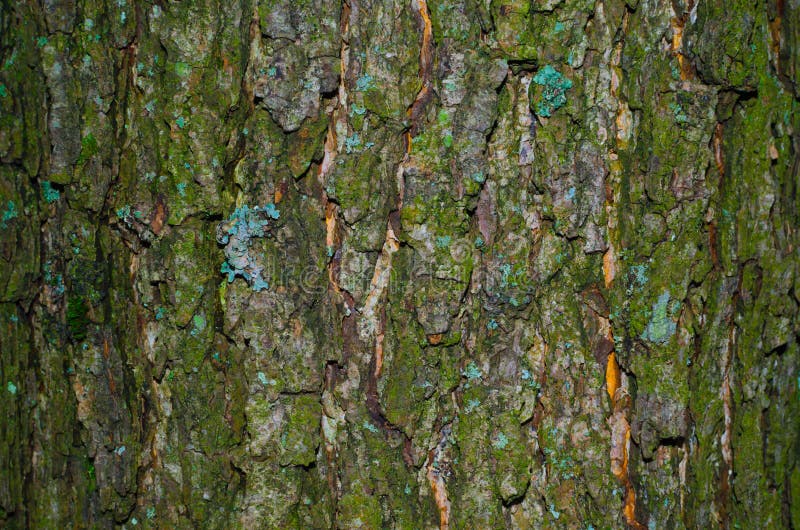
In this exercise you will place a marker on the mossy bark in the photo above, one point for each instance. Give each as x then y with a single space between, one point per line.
399 264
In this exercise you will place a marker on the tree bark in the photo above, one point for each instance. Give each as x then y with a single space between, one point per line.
399 264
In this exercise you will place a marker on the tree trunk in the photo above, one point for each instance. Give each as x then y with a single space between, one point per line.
399 264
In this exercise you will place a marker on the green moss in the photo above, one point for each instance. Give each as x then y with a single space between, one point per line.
90 473
357 510
403 390
89 149
77 321
300 437
182 69
198 325
306 145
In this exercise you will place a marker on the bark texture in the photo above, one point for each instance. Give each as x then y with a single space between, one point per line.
399 264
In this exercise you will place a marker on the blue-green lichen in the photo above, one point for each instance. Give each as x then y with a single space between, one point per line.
55 281
500 442
370 427
9 214
661 326
472 404
553 95
237 234
639 273
472 372
49 193
677 111
364 83
352 143
271 211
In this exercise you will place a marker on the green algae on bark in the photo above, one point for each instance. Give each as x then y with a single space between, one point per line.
512 265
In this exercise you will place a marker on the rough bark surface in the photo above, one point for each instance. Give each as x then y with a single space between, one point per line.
399 264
